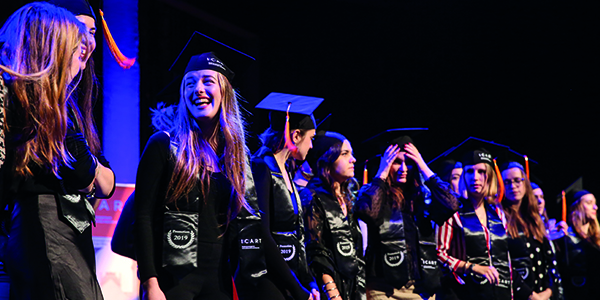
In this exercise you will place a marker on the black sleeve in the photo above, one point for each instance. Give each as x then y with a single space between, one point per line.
276 265
444 201
552 274
82 170
148 199
320 258
370 198
521 290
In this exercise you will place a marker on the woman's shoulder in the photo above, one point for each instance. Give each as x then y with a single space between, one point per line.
159 142
160 138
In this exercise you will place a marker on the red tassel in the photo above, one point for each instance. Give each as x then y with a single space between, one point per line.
286 134
527 166
500 182
564 207
235 295
121 59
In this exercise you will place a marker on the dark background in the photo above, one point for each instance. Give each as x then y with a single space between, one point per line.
520 73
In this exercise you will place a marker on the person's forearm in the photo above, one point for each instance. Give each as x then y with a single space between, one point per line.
104 182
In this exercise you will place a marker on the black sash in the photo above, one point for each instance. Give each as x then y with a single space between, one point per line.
477 252
344 251
393 251
287 226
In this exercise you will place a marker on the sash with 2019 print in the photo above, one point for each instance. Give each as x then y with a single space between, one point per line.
394 253
344 252
477 252
288 226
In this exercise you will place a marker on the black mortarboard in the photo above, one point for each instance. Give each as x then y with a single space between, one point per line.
395 136
200 53
321 144
300 110
76 7
445 167
473 151
573 192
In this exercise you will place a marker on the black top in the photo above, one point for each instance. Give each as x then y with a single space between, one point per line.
534 267
333 241
278 268
153 175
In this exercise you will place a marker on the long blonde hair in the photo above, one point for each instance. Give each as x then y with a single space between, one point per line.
490 190
196 151
39 42
578 218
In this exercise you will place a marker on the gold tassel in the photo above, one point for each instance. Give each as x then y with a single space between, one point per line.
121 59
365 173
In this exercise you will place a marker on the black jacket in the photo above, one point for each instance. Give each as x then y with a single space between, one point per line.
402 245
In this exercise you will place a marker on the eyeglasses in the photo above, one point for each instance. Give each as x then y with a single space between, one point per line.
515 181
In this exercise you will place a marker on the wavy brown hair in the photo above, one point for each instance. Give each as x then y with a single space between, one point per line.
578 218
197 150
524 216
39 42
325 165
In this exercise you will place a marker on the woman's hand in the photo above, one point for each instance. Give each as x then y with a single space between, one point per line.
490 273
562 225
152 291
387 159
413 153
330 287
315 295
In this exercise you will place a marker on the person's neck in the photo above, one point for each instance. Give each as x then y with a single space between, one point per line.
208 127
585 227
477 200
281 157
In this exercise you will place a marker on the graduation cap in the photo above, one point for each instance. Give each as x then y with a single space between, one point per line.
570 194
377 144
322 142
445 167
473 151
287 111
200 53
83 7
76 7
299 108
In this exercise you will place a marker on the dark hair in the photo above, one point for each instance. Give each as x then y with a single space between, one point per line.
324 167
274 139
84 97
397 192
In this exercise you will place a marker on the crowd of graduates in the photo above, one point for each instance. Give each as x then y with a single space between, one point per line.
210 220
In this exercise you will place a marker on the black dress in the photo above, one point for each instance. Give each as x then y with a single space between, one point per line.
207 277
50 254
